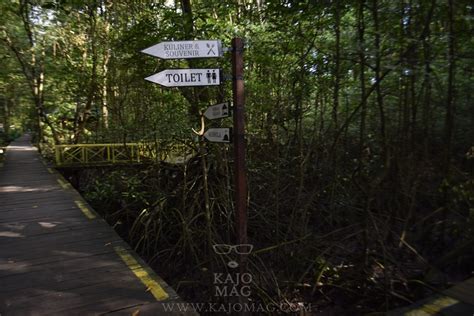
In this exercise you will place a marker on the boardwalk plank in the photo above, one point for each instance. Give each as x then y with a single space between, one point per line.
54 260
34 229
84 295
63 281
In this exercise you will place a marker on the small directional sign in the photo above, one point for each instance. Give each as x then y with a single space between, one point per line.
218 135
186 77
185 49
218 111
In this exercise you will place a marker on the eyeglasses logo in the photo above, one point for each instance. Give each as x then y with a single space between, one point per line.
225 249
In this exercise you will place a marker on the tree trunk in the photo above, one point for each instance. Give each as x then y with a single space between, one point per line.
33 70
105 67
83 117
361 52
449 119
378 90
337 61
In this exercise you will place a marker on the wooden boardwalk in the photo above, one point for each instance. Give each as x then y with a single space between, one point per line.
58 257
457 301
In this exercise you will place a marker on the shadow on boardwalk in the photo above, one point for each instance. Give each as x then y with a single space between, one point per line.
55 258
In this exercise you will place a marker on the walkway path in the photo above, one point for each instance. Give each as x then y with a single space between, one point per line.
58 257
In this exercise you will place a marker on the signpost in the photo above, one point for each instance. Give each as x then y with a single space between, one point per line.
187 77
218 111
211 77
218 135
239 147
185 49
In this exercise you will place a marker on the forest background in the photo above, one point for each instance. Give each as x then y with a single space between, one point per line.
360 129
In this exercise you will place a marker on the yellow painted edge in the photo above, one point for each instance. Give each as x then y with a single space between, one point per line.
63 184
83 207
433 307
145 277
90 214
148 280
438 304
43 161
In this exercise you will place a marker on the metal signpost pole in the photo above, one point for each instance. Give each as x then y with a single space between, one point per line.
239 146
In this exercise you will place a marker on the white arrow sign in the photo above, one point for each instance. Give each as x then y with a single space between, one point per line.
186 77
218 111
185 49
218 135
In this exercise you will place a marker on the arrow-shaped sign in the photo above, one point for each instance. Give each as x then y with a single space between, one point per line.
186 77
185 49
218 135
218 111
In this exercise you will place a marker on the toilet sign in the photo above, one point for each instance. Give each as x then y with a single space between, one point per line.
185 49
218 111
187 77
218 135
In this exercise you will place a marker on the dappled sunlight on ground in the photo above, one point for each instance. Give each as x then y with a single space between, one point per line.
21 148
18 189
11 234
48 225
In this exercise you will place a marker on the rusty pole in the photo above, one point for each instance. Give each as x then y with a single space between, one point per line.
239 145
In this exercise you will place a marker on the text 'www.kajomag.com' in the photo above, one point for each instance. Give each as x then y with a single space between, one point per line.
228 308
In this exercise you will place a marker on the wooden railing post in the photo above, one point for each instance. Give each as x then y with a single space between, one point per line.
58 154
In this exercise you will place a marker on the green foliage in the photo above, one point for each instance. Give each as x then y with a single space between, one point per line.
350 134
116 188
